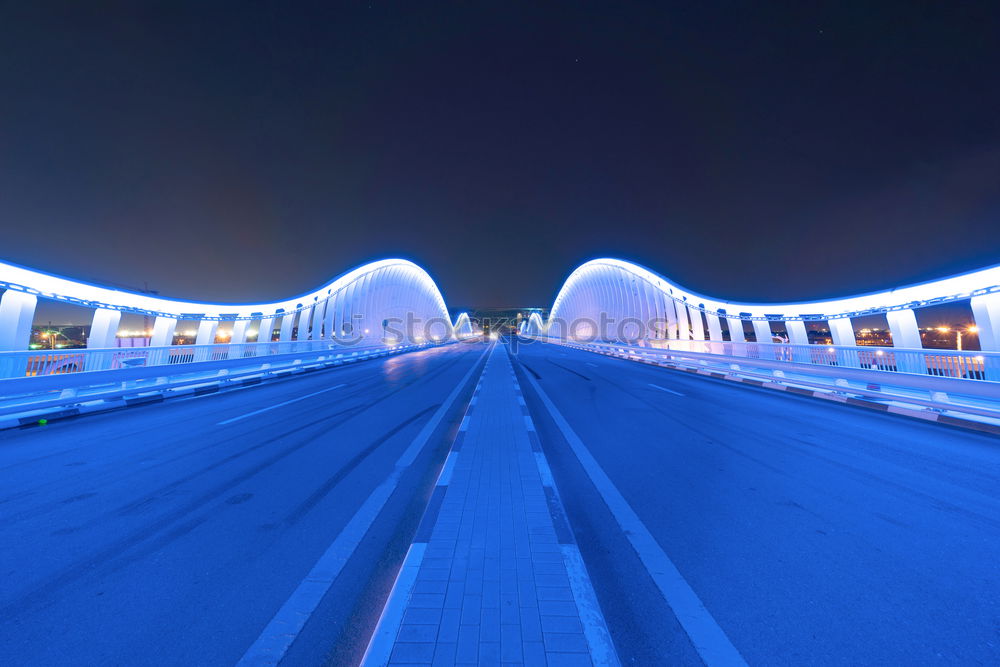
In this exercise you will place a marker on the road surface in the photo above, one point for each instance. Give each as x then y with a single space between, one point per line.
811 532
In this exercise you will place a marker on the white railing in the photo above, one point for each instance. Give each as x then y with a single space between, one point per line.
969 365
34 363
940 380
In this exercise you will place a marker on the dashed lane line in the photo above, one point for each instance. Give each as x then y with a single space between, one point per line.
669 391
280 405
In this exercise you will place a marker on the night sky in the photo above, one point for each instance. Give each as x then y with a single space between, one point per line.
248 151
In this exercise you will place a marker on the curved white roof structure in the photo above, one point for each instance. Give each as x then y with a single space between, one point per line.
618 289
366 299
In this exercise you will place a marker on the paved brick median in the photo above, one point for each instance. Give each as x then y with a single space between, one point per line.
493 575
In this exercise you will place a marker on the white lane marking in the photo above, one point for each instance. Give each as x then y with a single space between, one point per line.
279 405
602 649
395 606
589 363
272 644
707 637
669 391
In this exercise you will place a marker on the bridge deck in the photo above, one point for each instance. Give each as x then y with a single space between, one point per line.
493 574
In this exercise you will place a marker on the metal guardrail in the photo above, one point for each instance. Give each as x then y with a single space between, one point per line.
33 363
943 386
22 395
969 365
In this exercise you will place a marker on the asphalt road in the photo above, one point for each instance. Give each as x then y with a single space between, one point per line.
813 533
157 535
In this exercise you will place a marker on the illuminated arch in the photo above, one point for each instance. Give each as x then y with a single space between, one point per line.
364 303
619 290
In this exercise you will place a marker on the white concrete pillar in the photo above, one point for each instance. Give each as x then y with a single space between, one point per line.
238 338
287 324
683 333
319 315
906 334
736 333
903 326
266 330
762 330
239 334
714 326
104 328
304 317
842 331
206 336
206 332
163 331
986 312
328 317
697 330
796 330
17 310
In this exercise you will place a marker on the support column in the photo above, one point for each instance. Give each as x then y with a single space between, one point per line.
17 310
906 334
903 326
266 330
304 317
796 330
287 324
762 330
206 336
104 328
319 315
683 333
697 330
163 331
986 312
239 334
842 331
736 333
206 332
714 326
328 317
237 339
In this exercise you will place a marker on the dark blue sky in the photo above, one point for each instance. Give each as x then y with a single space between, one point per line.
251 151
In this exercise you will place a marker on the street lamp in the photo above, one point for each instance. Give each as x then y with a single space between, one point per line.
972 329
51 336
